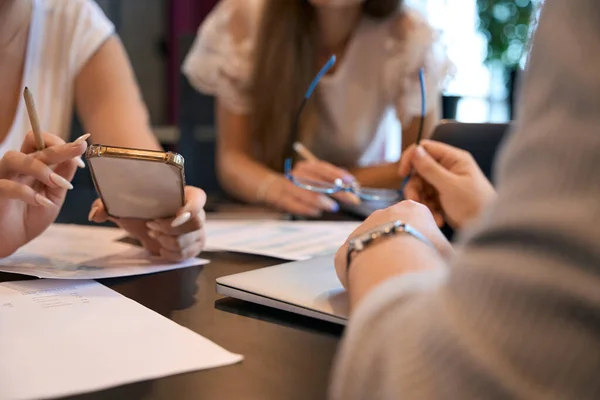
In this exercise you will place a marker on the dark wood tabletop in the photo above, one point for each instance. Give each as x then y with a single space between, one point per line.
286 356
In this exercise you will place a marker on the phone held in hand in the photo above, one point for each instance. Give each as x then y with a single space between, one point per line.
135 183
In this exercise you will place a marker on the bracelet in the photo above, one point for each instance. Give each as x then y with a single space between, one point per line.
359 243
261 192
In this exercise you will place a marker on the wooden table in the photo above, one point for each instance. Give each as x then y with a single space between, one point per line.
286 356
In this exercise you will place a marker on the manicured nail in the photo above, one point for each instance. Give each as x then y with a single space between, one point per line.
329 204
93 213
60 181
153 226
182 219
43 201
420 151
82 138
80 162
153 234
348 178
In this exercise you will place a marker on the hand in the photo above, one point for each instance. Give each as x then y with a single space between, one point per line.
447 180
285 196
174 239
321 171
416 215
33 185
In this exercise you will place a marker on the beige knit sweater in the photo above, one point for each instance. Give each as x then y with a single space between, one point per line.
517 314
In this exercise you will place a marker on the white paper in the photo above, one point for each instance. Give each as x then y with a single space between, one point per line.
61 338
76 243
81 252
288 240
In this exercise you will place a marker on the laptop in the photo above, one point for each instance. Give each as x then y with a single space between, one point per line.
310 288
365 208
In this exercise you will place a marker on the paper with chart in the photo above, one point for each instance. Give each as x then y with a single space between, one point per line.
61 338
288 240
83 252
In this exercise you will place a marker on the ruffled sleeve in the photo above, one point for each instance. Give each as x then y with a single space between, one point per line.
411 45
220 61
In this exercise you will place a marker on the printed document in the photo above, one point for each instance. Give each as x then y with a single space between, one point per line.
287 240
83 252
61 338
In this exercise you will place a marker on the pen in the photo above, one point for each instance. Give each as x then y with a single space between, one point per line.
34 120
304 152
35 124
309 156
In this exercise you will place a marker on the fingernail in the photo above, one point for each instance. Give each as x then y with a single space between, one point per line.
182 219
60 181
43 201
153 226
348 178
153 234
329 204
420 151
92 213
80 162
82 138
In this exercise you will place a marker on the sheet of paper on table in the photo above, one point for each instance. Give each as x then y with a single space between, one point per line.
61 338
288 240
83 252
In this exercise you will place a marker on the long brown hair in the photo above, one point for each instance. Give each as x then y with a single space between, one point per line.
283 68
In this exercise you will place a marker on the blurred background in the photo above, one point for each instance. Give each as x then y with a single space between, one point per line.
487 40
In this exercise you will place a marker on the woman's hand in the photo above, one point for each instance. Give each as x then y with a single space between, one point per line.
321 171
33 185
447 180
174 239
287 197
389 250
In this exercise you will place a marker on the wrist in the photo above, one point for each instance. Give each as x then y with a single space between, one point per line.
265 187
390 254
397 256
379 235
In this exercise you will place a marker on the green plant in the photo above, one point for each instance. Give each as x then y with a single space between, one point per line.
507 26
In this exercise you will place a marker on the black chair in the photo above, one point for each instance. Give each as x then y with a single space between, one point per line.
481 140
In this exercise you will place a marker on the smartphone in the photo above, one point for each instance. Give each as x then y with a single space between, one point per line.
135 183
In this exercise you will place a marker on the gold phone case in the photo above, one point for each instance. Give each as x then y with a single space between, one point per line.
134 183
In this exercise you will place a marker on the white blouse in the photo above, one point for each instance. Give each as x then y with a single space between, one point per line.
63 35
374 88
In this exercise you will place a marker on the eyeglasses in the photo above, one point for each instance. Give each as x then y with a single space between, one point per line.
364 193
421 122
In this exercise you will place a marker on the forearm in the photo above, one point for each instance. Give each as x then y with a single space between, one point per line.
243 177
109 101
395 256
378 176
124 129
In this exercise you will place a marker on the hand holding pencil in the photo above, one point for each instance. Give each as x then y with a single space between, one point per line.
34 182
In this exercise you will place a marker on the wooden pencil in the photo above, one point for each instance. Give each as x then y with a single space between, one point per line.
34 119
